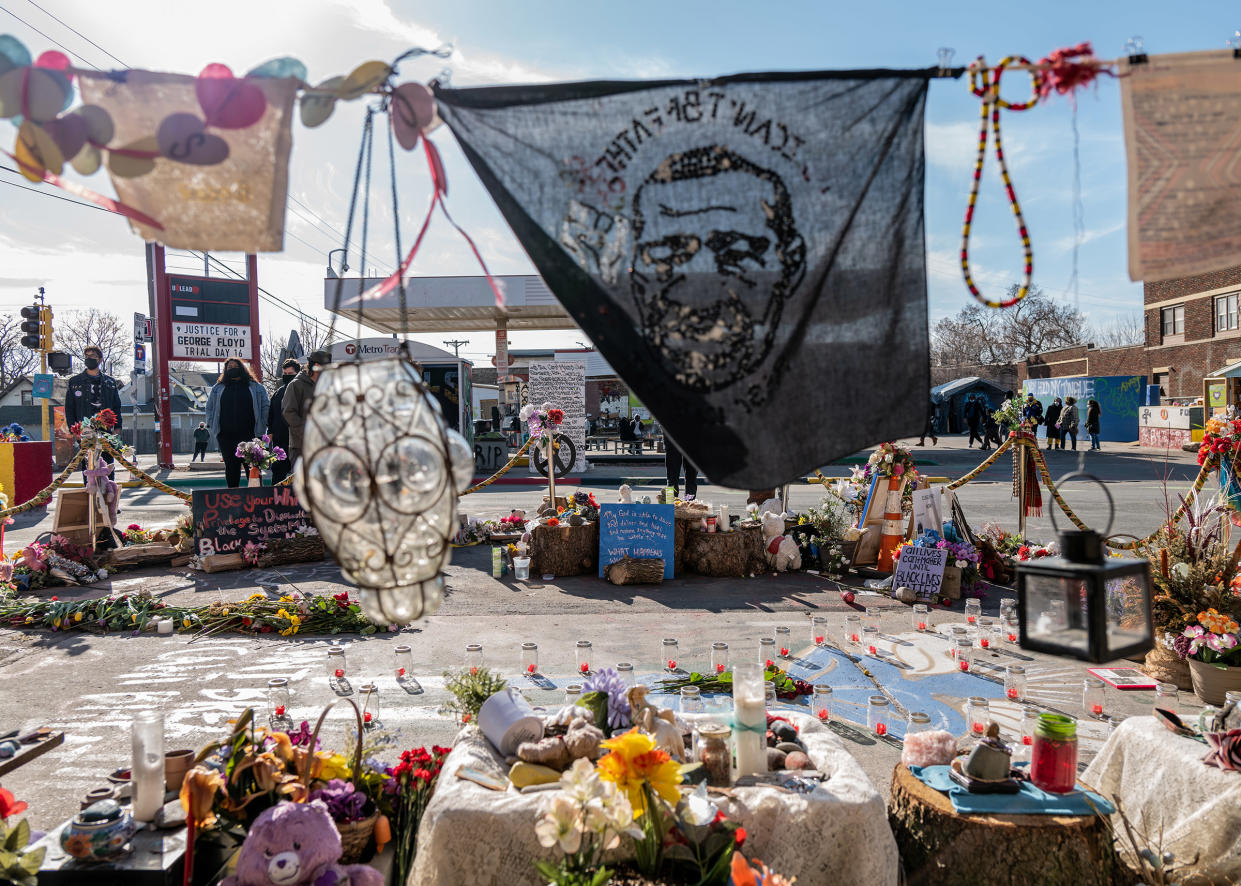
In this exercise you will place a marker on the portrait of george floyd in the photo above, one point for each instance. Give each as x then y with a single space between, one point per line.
747 253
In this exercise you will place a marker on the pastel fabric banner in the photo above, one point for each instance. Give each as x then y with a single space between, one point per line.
235 204
747 252
1183 145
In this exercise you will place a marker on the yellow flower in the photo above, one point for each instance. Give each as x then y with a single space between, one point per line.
633 760
257 595
225 610
198 791
133 618
185 622
286 598
77 616
29 619
56 623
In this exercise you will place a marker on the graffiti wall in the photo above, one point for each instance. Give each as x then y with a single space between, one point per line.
1119 399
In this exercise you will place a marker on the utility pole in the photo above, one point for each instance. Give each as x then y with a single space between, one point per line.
456 344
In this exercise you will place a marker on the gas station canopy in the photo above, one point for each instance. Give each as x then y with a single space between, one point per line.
451 304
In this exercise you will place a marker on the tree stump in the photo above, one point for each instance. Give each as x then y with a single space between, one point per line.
564 550
680 529
939 846
733 554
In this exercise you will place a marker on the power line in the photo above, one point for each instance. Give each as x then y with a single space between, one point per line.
44 36
76 31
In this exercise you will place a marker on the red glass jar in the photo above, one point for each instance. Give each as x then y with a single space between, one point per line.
1053 760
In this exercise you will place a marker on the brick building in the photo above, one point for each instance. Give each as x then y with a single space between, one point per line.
1193 327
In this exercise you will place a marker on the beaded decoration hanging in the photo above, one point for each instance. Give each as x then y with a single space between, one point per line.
985 83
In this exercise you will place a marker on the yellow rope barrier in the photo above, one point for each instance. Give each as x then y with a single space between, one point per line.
146 478
961 481
45 494
512 461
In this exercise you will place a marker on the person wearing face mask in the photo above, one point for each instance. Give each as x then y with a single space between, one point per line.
295 405
236 411
91 391
277 427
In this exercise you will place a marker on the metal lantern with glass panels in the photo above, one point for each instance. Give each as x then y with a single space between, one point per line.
1084 604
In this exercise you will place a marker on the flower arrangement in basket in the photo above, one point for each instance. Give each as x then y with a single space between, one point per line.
541 418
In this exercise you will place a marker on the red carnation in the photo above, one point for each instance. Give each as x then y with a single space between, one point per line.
739 835
106 417
555 416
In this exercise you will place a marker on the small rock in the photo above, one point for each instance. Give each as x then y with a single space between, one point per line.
783 731
775 759
576 520
790 747
905 595
797 760
771 739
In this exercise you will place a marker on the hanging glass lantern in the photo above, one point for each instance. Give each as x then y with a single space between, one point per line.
1083 604
380 474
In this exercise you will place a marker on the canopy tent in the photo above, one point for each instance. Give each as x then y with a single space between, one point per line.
950 397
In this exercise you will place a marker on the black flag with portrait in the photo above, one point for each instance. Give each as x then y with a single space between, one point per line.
746 252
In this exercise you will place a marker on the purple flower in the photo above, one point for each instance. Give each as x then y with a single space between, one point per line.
344 802
266 440
1181 645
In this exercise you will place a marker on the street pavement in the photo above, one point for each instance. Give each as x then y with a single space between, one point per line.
90 685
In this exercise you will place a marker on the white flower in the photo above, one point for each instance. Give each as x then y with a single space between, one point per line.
888 458
560 823
961 564
545 408
526 412
844 562
581 781
1180 570
699 810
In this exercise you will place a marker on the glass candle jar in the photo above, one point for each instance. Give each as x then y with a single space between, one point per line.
983 633
767 651
917 721
1053 760
714 753
1168 697
821 704
530 658
572 692
870 616
965 653
1008 606
922 617
583 656
335 664
818 630
1092 696
669 654
957 634
691 700
973 609
784 641
877 713
853 629
719 658
1029 720
1008 624
473 657
1015 683
769 693
977 715
147 773
369 697
278 701
625 670
404 662
870 639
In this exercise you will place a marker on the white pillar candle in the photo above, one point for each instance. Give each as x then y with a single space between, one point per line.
723 521
147 774
750 712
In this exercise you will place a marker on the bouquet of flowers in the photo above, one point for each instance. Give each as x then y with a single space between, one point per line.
1212 640
539 418
100 426
407 789
585 818
13 433
259 453
891 460
1222 437
1009 416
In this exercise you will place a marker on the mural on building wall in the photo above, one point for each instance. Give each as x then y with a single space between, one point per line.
1119 398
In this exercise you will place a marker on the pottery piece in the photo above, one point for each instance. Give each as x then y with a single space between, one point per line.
98 832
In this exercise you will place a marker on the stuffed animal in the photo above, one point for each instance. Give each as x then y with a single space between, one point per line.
660 725
626 494
296 844
782 552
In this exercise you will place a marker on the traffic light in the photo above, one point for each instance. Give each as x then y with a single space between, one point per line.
36 327
32 334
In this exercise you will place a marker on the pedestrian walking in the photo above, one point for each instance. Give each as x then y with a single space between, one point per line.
295 405
929 430
236 412
974 419
1052 420
202 436
90 392
1093 414
1068 421
673 462
277 427
1032 413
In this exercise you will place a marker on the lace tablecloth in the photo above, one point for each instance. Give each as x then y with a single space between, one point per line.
838 833
1163 785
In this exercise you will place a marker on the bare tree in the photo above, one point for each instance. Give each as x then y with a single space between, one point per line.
15 360
312 336
1123 331
74 330
988 335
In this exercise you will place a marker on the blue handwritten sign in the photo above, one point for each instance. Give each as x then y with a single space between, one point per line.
642 531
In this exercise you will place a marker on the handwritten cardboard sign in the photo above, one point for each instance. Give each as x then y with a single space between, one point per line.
631 530
921 569
225 519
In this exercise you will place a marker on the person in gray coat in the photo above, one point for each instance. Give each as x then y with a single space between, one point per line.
297 396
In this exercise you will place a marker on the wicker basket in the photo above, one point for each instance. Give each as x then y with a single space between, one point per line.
302 549
355 836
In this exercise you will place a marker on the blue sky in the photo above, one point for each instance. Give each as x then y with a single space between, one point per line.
85 257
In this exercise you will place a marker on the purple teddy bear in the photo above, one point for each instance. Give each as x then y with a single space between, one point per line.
297 844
